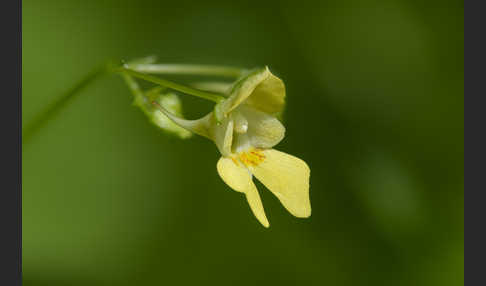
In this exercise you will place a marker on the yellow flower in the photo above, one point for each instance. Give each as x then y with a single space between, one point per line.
245 128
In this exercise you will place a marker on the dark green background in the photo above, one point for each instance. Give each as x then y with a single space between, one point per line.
375 107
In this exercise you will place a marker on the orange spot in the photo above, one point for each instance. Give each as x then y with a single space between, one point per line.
252 158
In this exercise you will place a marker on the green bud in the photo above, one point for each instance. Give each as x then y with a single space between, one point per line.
170 102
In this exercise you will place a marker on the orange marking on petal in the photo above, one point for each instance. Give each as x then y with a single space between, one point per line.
252 158
235 161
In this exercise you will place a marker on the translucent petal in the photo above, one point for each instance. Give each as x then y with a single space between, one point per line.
264 131
287 177
222 134
241 123
261 89
236 176
241 143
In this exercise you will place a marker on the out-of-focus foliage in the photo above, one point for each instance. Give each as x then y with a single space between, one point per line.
374 106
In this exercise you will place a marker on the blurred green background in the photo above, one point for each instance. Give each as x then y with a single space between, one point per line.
375 107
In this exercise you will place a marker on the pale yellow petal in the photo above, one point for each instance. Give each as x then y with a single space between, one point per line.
287 177
222 134
259 89
236 176
255 202
264 131
241 123
243 88
269 95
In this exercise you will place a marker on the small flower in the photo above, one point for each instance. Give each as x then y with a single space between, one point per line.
245 128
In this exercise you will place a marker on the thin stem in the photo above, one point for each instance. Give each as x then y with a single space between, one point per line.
213 86
188 69
172 85
54 108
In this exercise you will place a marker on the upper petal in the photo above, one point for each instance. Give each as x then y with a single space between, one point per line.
239 179
287 177
261 89
269 95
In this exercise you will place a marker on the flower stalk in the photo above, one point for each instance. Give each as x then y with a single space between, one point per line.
182 69
175 86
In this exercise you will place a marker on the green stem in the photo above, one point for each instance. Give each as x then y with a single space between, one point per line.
53 109
188 69
212 86
172 85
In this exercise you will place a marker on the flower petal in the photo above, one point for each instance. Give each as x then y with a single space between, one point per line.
287 177
239 179
222 134
243 88
264 131
269 95
261 89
